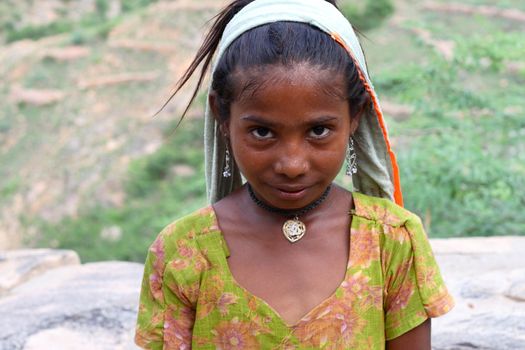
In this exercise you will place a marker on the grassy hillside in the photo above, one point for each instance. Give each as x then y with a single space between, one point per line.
461 150
86 167
77 113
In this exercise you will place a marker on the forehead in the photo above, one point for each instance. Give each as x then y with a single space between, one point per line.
294 97
249 84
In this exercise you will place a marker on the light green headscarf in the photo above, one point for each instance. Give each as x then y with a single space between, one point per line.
377 168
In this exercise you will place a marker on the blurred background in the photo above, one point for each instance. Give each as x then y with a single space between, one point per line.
85 166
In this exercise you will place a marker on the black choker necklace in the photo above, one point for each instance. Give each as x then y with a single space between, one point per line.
293 229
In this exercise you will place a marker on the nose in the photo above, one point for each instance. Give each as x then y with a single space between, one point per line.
292 161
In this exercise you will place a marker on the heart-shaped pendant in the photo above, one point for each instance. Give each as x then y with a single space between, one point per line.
294 229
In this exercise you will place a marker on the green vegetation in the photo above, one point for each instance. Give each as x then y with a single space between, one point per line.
461 152
9 188
156 194
92 25
368 14
463 168
9 16
132 5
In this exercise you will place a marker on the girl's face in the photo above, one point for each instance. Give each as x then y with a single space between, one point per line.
289 132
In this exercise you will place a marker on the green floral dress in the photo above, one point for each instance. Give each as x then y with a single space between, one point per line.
190 300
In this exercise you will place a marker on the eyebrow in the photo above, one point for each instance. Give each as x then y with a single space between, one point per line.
258 120
323 119
266 123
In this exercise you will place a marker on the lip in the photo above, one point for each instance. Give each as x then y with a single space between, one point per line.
291 189
291 192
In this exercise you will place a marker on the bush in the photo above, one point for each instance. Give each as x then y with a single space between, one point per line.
131 5
155 196
92 25
462 183
369 16
37 32
462 167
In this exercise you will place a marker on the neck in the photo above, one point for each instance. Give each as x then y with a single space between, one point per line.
288 212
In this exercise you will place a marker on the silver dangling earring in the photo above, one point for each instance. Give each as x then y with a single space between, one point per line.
351 159
227 159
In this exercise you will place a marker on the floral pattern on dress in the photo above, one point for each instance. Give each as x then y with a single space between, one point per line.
177 328
155 278
365 245
190 300
335 326
213 295
234 334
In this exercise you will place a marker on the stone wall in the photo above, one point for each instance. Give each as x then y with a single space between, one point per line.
487 278
48 300
70 307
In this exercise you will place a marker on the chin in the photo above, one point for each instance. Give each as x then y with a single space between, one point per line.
293 198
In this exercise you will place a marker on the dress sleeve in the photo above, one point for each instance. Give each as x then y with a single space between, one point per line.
414 287
165 320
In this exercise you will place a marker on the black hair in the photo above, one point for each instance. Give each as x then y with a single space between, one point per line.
278 43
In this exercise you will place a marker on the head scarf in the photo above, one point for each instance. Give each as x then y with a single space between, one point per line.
378 173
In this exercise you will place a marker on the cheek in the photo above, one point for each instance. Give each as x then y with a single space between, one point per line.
248 159
246 163
332 161
335 153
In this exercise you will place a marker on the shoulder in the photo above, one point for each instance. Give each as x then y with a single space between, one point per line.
411 277
393 223
179 238
382 210
184 249
192 225
178 256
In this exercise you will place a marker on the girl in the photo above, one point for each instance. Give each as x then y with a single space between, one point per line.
289 260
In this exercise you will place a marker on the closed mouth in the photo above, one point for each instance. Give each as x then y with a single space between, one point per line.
291 193
294 189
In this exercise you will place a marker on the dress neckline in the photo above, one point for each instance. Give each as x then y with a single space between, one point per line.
264 303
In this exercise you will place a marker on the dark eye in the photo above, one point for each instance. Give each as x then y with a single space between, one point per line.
319 132
262 133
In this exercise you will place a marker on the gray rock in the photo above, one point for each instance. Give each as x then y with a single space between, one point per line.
486 277
517 289
91 306
18 266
